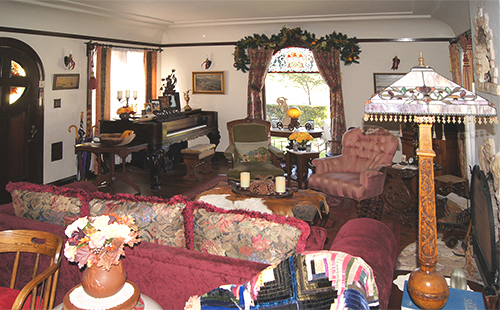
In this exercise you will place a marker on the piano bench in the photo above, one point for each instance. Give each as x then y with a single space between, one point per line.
198 155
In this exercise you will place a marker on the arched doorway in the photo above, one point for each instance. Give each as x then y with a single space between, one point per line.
21 115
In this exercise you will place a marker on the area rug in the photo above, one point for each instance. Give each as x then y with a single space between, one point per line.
341 210
204 186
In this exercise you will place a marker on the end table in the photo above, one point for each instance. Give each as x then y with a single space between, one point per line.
301 160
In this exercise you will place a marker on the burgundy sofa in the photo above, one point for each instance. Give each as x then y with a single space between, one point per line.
170 275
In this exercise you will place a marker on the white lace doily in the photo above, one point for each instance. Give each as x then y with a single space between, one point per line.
82 300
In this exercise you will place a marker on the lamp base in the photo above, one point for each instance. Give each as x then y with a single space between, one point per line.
427 288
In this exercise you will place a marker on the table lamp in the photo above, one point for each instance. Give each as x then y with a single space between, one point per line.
294 114
424 97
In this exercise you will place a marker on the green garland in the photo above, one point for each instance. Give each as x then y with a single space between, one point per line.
349 48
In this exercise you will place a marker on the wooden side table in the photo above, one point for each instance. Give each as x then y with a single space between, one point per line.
301 160
446 184
123 151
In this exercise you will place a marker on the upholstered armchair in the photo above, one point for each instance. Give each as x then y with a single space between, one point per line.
355 173
250 149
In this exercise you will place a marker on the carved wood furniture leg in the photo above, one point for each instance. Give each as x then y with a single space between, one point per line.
155 160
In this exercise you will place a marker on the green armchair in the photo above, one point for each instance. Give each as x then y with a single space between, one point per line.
250 149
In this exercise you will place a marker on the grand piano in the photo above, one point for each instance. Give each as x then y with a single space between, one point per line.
161 134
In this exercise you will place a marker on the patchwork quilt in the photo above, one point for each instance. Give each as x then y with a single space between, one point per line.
311 280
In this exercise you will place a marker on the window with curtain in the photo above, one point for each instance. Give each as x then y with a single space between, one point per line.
293 74
127 74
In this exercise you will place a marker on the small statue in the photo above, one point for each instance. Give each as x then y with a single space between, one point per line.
282 103
186 97
169 83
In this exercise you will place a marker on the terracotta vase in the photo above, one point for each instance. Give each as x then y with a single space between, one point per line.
100 283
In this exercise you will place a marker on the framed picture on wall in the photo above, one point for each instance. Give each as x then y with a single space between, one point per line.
66 81
382 80
212 82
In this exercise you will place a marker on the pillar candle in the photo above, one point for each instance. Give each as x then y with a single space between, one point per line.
245 179
135 94
280 185
127 94
120 95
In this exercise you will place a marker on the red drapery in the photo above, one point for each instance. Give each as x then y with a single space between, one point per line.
260 58
328 63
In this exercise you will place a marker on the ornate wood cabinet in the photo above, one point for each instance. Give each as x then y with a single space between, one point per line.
446 150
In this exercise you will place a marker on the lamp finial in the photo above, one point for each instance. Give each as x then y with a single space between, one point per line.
421 60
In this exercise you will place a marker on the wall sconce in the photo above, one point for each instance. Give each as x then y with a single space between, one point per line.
294 114
69 62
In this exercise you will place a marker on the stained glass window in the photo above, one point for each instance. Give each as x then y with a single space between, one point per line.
16 91
293 59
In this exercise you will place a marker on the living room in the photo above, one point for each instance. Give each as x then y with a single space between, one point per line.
186 44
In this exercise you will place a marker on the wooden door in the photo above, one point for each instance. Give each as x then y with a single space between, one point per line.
21 115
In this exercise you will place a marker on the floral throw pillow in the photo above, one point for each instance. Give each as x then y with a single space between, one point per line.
252 151
159 220
47 203
247 235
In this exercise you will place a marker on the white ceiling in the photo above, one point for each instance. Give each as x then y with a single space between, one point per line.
186 13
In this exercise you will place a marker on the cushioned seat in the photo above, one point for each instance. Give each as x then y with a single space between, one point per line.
355 174
250 149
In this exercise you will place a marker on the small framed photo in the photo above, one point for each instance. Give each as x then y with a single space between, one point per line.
66 81
382 80
212 82
155 104
170 102
148 107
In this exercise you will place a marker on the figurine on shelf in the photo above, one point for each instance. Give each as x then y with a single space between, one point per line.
186 97
169 83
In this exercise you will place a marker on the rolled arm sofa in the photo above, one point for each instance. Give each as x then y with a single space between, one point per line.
170 270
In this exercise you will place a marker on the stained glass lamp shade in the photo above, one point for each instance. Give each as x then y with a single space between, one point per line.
425 97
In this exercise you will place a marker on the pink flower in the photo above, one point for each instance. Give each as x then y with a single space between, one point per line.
259 243
246 250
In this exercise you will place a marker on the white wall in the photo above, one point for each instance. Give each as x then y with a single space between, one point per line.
357 80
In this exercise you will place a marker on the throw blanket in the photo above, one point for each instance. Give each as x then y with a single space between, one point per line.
311 280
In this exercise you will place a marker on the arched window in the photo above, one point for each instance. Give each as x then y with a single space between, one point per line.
293 74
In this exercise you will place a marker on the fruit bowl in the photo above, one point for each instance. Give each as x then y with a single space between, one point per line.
115 139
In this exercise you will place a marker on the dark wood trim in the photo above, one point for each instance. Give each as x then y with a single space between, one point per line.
148 44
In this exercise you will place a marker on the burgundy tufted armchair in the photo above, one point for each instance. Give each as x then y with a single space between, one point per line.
355 174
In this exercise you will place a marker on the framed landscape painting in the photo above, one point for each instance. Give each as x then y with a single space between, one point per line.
66 81
209 82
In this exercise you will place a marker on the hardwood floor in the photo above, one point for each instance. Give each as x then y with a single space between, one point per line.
172 182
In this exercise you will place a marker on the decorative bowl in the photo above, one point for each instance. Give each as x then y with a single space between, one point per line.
115 139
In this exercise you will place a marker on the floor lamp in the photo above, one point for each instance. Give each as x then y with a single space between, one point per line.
424 97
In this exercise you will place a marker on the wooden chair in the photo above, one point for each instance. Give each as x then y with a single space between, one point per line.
43 248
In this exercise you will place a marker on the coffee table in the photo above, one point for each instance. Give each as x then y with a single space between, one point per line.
299 205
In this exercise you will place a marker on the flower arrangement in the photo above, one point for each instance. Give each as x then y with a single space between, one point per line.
126 109
301 137
100 240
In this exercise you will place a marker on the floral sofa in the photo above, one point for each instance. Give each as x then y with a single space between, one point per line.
187 248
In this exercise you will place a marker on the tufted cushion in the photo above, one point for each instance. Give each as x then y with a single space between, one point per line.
252 151
159 220
253 236
47 203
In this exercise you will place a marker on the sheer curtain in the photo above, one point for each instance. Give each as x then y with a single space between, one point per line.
127 73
